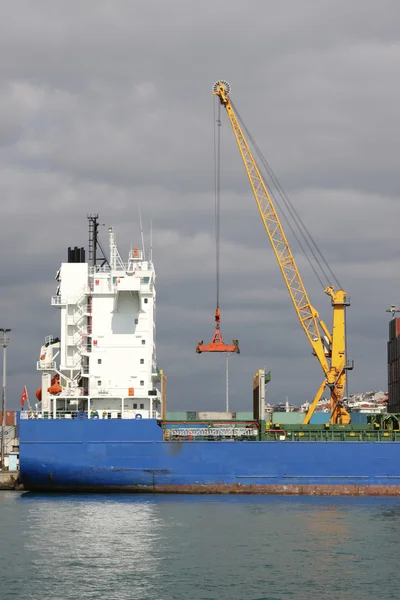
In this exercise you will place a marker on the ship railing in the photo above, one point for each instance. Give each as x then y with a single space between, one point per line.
35 414
120 267
103 269
210 433
74 340
77 414
46 365
70 364
58 301
346 433
48 415
73 300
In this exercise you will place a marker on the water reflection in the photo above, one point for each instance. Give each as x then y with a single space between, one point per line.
92 545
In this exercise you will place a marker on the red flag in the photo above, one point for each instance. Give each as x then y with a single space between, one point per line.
24 396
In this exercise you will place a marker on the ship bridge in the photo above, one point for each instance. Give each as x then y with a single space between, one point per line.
107 354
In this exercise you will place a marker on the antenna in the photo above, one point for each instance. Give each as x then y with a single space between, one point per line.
393 309
94 242
151 240
141 230
115 257
93 233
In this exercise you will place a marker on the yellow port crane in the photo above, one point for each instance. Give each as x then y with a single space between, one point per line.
328 347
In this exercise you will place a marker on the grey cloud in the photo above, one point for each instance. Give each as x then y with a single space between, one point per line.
106 104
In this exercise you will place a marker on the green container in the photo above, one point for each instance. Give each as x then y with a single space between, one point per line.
288 418
244 416
180 415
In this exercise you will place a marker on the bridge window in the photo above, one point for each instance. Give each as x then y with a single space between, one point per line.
142 361
142 406
135 405
142 383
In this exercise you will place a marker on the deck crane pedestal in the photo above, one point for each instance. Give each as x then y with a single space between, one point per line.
328 347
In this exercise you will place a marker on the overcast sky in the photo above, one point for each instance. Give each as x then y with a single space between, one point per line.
107 103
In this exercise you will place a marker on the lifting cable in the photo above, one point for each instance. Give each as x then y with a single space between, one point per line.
297 220
217 187
217 342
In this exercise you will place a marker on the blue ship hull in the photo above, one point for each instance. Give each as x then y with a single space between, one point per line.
130 455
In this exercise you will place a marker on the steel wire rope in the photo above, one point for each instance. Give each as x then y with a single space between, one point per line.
217 188
285 218
271 193
290 208
305 234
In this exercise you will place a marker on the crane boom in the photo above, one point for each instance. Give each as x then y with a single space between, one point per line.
330 348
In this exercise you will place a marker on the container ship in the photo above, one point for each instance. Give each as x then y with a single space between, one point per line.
100 419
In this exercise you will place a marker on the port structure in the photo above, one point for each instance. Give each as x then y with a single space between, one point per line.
328 347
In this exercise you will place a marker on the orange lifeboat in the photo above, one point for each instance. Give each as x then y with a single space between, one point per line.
55 388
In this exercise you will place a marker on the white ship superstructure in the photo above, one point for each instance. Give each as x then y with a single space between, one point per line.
104 363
